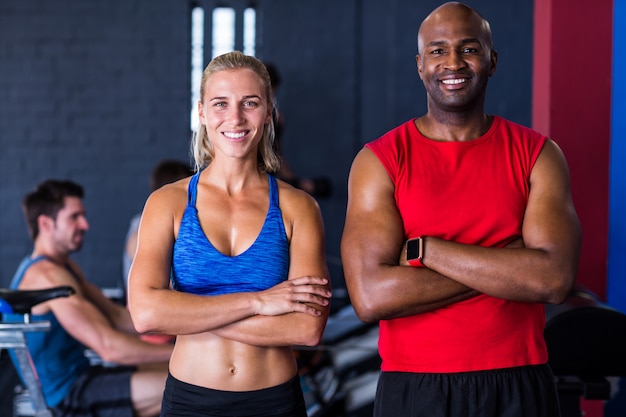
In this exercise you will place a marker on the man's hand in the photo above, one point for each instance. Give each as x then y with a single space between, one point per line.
402 260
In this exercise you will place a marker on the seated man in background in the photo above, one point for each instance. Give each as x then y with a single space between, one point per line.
57 223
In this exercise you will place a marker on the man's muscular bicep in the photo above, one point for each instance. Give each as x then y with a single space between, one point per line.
551 224
550 220
373 229
373 223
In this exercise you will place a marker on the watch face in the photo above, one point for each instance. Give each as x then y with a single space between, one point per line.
412 249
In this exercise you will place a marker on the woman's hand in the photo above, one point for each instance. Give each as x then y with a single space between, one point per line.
300 294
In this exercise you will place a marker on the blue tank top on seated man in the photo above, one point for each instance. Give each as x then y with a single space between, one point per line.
199 268
59 358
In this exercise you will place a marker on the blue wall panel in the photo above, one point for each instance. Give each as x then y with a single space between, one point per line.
617 216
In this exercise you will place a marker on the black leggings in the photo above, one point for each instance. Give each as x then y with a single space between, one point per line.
181 399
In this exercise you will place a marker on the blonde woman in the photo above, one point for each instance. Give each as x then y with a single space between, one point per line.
246 257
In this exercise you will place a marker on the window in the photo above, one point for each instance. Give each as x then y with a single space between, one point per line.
226 36
249 31
223 35
197 61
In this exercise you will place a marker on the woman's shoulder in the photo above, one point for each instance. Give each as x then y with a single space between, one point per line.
294 201
173 195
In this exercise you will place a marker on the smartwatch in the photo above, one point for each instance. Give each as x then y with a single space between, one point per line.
415 251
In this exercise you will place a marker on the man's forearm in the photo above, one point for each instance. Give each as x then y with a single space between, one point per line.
401 291
519 274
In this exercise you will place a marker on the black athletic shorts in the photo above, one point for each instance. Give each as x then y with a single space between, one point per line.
100 392
185 400
527 391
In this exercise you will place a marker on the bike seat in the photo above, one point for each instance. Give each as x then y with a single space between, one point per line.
22 301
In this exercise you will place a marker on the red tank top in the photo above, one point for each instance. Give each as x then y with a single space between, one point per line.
471 192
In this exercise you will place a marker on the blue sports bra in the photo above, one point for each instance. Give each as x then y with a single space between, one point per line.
199 268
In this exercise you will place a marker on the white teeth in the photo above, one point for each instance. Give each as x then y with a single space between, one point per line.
454 81
234 135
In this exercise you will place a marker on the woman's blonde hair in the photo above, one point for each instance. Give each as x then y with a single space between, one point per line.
201 147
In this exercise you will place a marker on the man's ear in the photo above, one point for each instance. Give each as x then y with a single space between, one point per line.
45 223
418 61
494 62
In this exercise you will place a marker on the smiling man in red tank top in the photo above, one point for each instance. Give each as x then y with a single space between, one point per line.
482 209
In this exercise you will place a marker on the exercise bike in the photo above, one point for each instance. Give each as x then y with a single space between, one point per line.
15 314
340 375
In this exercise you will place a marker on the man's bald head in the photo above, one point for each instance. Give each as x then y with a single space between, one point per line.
459 13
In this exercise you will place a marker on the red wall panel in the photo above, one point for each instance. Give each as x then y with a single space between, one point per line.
572 105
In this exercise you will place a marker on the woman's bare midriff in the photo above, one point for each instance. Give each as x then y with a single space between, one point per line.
212 362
